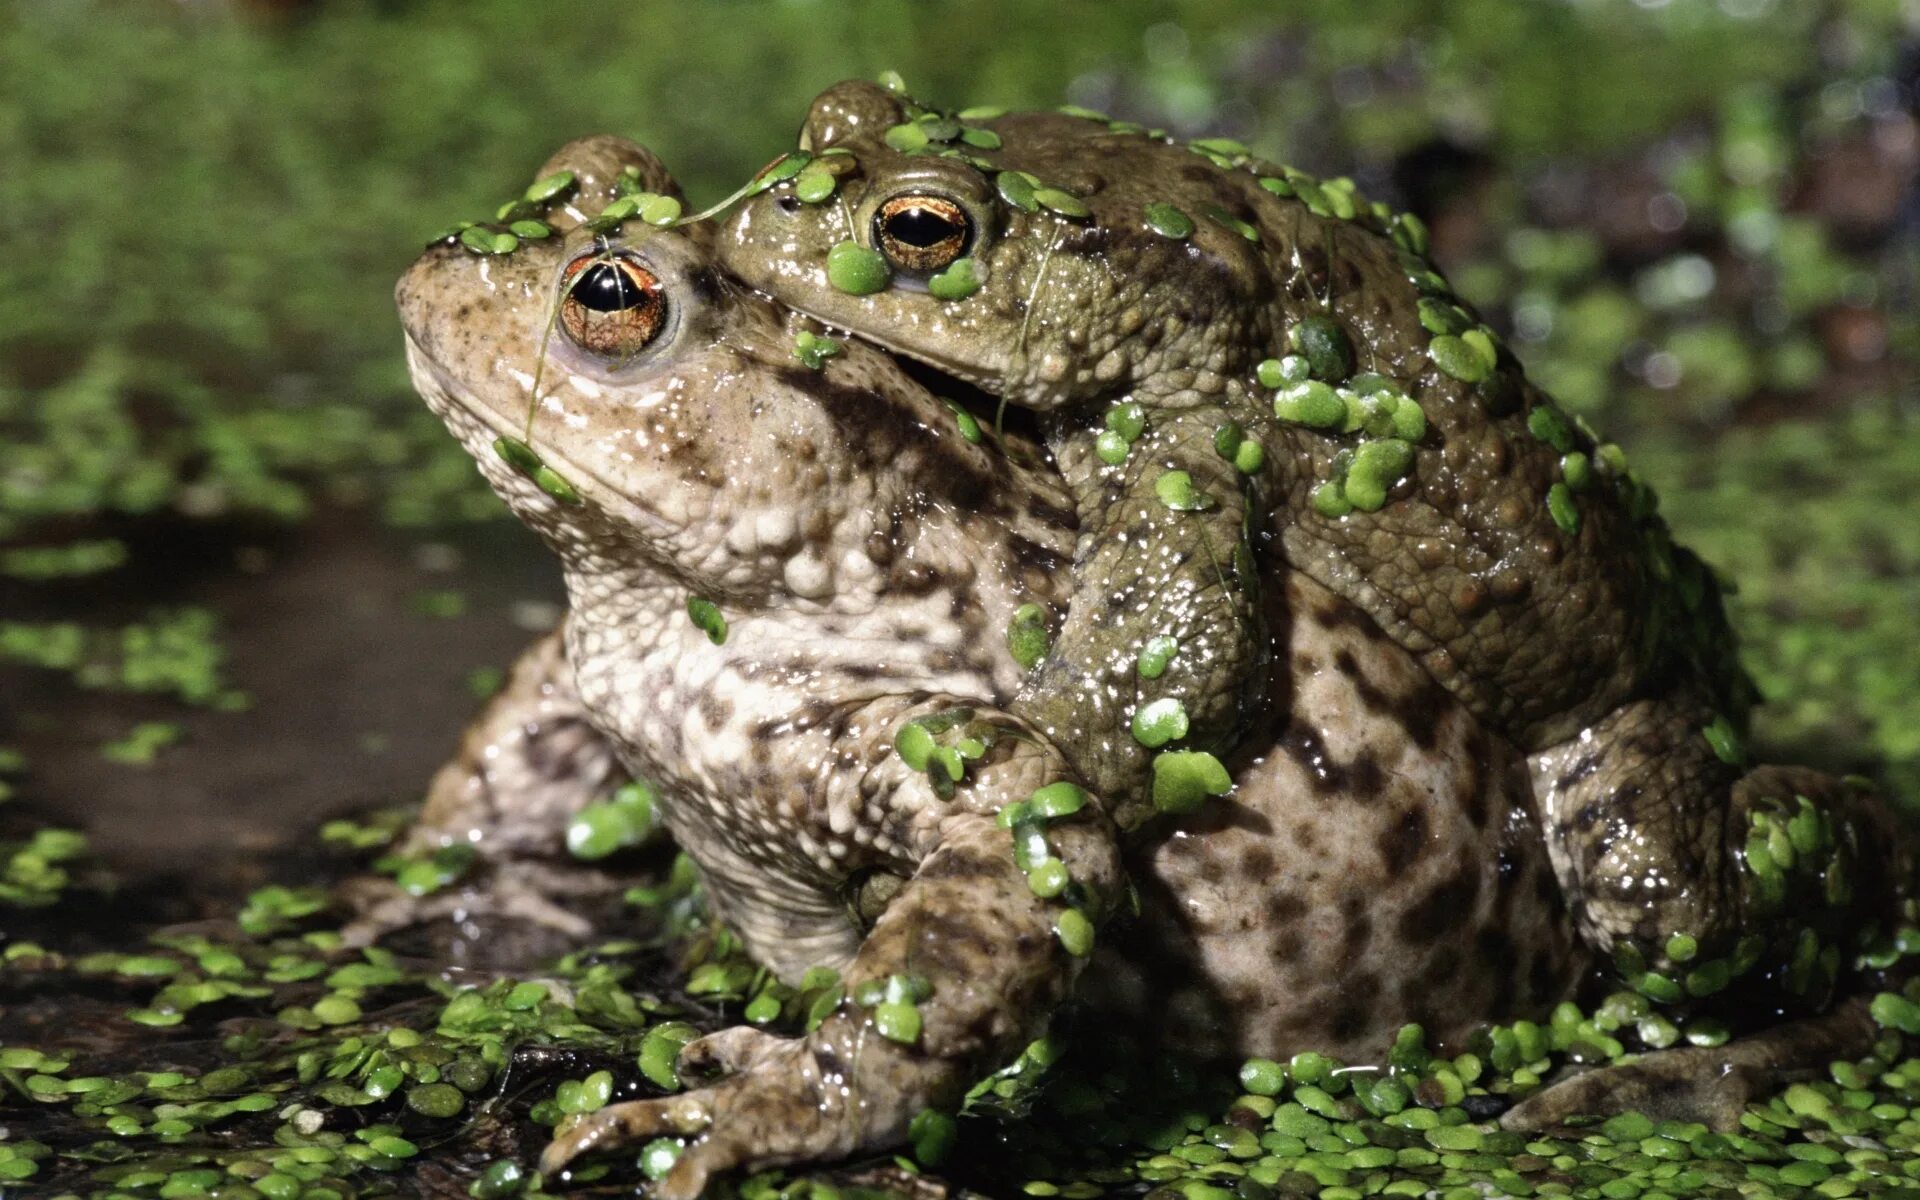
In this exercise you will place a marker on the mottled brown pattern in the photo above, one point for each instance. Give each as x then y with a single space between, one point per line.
1370 916
1375 683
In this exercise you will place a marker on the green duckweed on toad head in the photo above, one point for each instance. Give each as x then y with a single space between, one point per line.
995 247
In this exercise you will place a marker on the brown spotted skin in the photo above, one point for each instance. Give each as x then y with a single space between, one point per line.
1377 863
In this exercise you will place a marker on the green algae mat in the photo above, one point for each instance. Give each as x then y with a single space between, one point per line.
258 1055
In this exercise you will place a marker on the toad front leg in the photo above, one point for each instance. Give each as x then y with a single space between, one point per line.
966 960
1168 621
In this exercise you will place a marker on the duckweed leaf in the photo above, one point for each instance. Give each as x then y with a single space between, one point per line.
961 279
856 270
549 187
1027 635
1160 721
1326 347
1457 359
708 619
1168 221
907 137
1075 932
1156 656
517 454
1183 779
1062 203
1056 800
1175 490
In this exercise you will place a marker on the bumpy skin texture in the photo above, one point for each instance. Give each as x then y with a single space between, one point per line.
1390 848
865 557
1537 631
1583 635
1073 316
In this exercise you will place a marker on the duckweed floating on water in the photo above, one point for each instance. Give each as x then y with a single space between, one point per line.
660 1050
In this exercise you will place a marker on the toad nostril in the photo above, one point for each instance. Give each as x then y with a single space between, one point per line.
788 204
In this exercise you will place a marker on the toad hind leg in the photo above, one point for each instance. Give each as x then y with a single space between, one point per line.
1709 1084
1693 873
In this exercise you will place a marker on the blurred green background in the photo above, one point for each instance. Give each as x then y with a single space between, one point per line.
1696 221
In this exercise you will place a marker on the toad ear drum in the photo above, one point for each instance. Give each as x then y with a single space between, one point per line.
613 306
922 233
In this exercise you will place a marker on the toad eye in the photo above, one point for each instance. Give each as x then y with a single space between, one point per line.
612 306
922 233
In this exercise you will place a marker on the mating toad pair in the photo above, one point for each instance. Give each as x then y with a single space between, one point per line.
1308 674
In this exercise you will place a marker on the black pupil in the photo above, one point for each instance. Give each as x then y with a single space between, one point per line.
604 287
920 227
